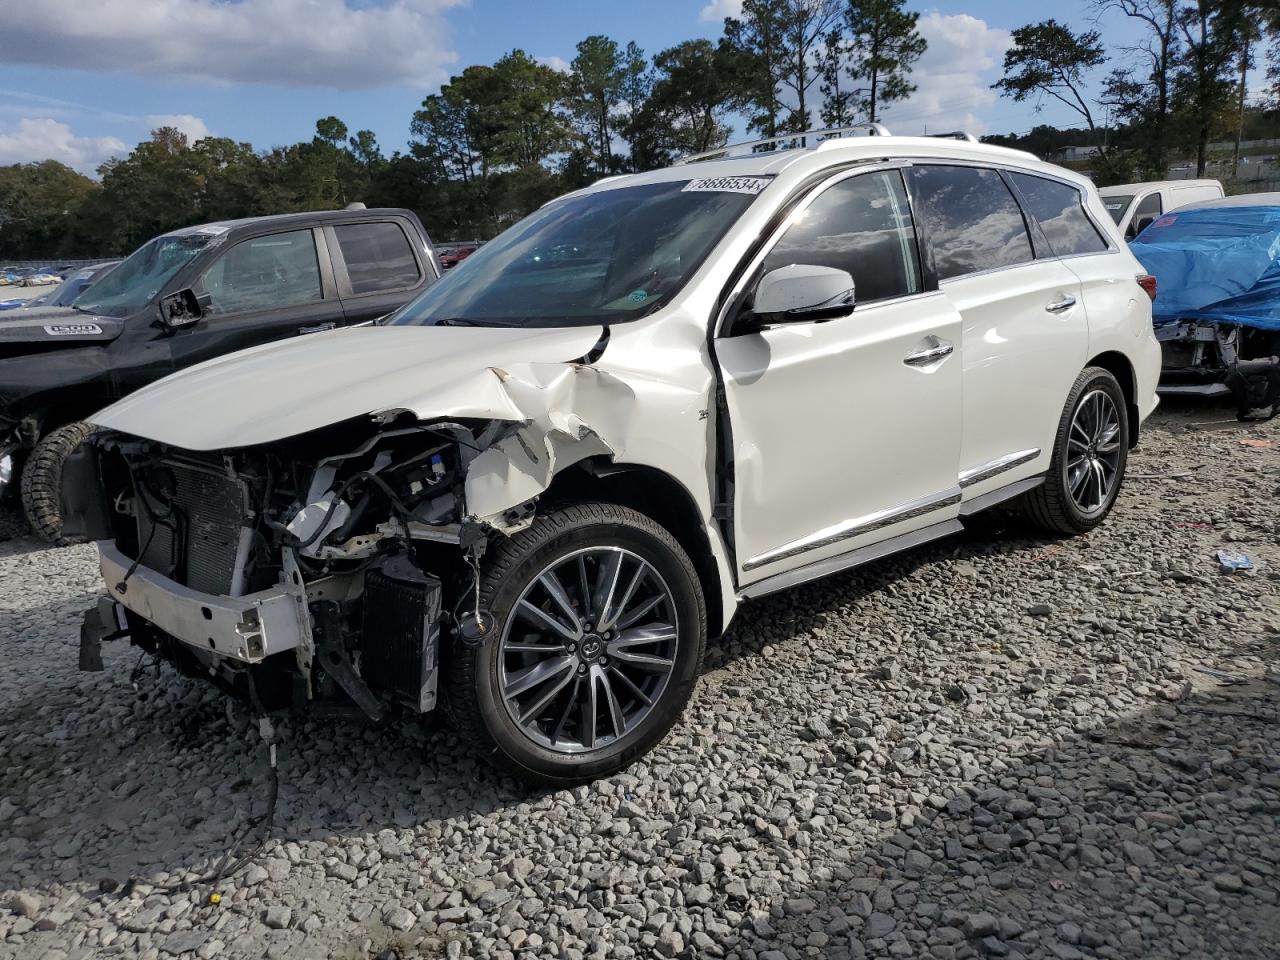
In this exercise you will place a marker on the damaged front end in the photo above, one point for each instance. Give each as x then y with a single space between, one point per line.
290 573
1215 358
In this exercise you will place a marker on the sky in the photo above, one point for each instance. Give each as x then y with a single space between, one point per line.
84 81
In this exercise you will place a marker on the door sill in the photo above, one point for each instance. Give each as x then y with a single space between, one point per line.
853 558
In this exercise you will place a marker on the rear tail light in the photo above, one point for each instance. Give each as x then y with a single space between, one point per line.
1147 283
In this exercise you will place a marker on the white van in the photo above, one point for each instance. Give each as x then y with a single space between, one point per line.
1134 205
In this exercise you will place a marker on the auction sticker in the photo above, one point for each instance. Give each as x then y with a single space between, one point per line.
72 329
752 185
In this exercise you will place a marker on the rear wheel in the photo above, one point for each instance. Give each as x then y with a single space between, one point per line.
600 629
1090 452
42 479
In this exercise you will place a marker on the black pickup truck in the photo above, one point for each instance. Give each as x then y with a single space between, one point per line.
183 298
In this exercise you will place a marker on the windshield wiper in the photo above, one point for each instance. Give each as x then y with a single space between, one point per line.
470 322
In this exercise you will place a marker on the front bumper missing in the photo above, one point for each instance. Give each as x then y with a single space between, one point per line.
249 628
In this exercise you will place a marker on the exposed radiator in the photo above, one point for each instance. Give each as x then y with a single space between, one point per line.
196 526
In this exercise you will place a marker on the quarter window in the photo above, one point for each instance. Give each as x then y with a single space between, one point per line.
861 225
378 256
1058 209
279 270
972 220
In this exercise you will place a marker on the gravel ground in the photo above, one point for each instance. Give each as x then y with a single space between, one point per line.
994 746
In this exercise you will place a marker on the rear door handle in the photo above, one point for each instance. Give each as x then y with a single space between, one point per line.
1059 306
922 357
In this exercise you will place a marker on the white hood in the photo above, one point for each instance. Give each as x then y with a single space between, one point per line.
290 387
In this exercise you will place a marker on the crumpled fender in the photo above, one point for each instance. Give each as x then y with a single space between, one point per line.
567 411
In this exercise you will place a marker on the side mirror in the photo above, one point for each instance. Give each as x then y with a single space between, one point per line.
803 292
180 309
1141 224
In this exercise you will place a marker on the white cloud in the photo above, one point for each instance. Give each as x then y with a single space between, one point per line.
953 78
717 10
294 43
559 64
46 139
193 127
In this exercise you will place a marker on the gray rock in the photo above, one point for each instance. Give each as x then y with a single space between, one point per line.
398 918
277 917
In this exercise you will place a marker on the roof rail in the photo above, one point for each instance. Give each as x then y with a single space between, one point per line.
804 136
956 135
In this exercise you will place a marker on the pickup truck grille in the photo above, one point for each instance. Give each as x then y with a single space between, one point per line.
192 528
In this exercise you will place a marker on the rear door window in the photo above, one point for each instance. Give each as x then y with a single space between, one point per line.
863 226
378 256
1059 209
971 219
278 270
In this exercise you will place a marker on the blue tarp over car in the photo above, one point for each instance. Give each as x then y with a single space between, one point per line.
1215 264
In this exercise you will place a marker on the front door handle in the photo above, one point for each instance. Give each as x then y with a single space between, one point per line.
1059 306
935 350
319 327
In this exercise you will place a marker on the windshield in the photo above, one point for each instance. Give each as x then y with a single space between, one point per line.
1117 204
604 257
132 285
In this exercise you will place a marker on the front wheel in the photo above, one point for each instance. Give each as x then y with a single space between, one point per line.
1091 450
599 634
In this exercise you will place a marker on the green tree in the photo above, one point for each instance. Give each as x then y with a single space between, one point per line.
754 52
1048 59
1140 94
805 26
885 45
40 205
691 98
1213 33
596 89
839 108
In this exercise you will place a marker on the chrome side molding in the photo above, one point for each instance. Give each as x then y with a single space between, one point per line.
856 527
993 468
853 558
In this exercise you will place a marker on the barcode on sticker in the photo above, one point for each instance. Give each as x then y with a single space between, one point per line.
752 185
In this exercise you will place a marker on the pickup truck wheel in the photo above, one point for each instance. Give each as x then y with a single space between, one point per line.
1091 449
42 480
599 631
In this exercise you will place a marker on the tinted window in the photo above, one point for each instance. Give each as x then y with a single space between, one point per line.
274 271
378 256
973 222
1150 207
1117 204
861 225
1058 209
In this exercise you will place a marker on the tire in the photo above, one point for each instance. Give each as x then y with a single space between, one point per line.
587 537
42 479
1052 506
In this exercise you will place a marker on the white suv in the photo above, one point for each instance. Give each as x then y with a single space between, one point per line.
537 490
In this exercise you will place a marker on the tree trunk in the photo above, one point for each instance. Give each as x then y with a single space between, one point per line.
1244 70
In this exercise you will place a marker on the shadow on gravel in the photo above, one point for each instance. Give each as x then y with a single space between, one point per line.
167 773
807 607
1153 837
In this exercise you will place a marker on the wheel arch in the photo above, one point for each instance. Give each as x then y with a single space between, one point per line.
657 495
1120 367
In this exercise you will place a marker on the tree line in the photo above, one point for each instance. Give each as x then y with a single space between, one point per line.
499 140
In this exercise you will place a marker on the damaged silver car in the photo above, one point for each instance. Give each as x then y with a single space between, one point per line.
534 493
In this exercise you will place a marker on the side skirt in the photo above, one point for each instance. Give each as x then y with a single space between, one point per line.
875 551
854 558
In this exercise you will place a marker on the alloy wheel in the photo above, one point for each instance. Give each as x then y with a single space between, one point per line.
588 649
1093 451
